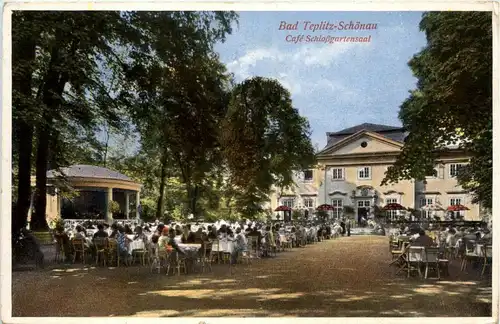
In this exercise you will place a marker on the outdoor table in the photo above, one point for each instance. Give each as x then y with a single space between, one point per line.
191 253
135 245
224 247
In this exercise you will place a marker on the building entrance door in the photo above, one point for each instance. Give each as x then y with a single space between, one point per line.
363 208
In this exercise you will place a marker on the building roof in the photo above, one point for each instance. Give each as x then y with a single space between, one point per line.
88 171
395 133
376 128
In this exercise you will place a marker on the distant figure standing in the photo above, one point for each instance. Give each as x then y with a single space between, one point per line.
342 224
348 228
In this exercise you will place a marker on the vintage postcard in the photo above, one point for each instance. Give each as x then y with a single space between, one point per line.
236 163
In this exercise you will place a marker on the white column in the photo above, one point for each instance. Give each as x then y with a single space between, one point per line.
109 199
127 204
325 197
137 203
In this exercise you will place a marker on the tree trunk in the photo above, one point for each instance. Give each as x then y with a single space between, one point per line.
163 179
53 89
193 198
38 220
25 138
23 54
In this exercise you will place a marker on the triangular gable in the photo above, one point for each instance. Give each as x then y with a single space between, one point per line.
352 144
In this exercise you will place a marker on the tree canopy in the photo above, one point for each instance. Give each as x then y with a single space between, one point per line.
452 103
154 83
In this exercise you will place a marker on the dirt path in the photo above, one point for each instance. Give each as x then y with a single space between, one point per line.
343 277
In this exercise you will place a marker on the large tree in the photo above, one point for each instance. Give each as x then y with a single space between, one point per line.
183 88
264 140
453 101
60 57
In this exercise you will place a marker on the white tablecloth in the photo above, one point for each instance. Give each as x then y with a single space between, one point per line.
135 245
224 246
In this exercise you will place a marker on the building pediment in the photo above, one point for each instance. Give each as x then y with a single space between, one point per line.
363 142
334 193
393 192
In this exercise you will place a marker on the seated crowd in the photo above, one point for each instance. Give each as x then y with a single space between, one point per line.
177 237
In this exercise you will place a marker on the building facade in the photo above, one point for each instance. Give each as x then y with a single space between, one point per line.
350 170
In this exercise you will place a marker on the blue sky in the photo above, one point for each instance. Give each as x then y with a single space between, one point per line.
334 85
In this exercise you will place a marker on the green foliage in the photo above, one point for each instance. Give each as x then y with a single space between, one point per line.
452 102
297 215
153 80
264 139
114 207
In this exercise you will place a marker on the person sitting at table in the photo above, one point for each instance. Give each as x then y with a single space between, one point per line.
158 233
198 236
240 245
487 238
164 239
451 238
178 236
128 230
185 233
114 231
139 235
64 242
174 239
123 241
422 240
100 232
212 233
80 232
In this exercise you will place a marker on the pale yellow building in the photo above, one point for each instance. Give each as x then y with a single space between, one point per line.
351 168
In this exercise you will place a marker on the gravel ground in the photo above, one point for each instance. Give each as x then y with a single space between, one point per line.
345 277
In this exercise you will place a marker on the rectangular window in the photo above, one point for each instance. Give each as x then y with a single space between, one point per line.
308 202
288 202
338 208
308 175
426 201
457 201
364 204
392 213
337 174
455 169
364 173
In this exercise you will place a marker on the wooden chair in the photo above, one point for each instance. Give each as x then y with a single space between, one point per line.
215 250
273 247
245 256
397 253
113 252
140 254
101 247
79 248
287 242
415 259
176 262
432 261
469 256
59 245
158 257
253 241
206 256
487 257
